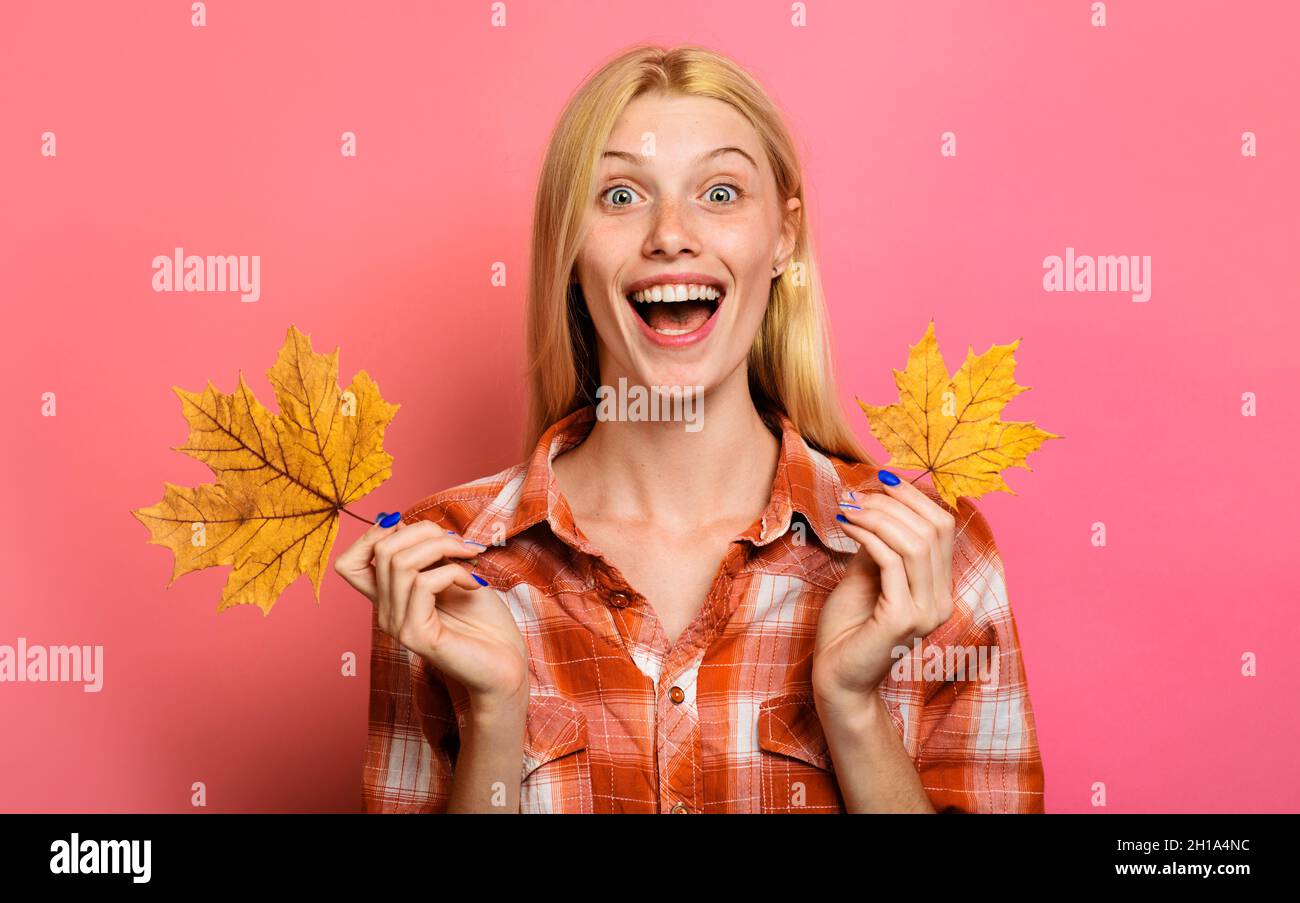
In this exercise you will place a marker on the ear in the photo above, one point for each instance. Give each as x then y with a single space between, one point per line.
789 234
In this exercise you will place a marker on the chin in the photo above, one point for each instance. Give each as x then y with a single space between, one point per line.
683 376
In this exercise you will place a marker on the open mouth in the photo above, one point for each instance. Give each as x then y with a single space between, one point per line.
676 310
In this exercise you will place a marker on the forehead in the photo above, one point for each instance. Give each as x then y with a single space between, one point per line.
682 128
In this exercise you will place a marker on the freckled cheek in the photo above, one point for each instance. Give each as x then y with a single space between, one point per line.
747 316
604 317
603 258
743 250
595 282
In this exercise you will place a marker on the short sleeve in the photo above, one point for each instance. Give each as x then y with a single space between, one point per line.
978 744
413 734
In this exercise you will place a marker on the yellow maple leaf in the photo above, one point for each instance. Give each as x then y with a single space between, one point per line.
281 479
950 426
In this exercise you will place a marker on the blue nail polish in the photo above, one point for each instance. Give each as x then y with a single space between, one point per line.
847 505
390 519
382 515
452 533
852 496
473 543
841 517
480 580
888 478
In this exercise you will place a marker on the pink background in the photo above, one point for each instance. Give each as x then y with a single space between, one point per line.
225 140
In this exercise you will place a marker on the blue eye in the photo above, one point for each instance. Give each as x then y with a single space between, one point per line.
727 185
622 188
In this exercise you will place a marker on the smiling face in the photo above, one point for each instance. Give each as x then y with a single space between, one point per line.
701 213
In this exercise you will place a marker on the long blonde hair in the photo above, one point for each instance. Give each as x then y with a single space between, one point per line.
790 361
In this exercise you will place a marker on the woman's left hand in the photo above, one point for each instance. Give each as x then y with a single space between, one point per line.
897 587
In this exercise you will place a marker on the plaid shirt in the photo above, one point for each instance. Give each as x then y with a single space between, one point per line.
723 720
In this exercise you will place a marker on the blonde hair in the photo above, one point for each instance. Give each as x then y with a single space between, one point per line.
790 361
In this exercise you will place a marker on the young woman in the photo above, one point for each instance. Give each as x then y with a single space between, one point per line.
655 615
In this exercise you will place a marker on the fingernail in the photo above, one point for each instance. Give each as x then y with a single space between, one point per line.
391 519
847 505
888 478
473 543
852 496
452 533
481 581
382 515
842 517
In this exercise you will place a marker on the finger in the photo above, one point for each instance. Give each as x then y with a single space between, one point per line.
893 572
379 563
940 553
898 509
420 624
914 497
396 539
354 565
393 598
914 551
943 516
417 547
937 513
410 534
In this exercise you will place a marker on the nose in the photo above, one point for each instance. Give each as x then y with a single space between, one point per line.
671 233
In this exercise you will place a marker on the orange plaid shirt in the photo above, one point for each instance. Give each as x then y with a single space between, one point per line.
723 720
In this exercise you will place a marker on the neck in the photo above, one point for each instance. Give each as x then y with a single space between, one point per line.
659 472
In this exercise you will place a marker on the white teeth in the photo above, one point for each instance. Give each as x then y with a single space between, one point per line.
673 331
683 292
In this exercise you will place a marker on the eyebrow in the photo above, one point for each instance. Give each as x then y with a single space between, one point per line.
638 160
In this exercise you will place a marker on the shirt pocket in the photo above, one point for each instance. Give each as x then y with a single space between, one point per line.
556 775
796 773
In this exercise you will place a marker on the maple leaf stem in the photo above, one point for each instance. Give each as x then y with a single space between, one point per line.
357 516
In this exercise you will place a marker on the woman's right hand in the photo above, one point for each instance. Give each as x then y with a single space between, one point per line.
430 603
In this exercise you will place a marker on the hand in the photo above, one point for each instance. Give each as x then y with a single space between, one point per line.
429 603
897 587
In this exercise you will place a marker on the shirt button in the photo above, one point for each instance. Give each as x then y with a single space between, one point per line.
679 809
676 694
619 600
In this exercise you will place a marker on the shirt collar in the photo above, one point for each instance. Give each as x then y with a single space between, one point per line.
806 481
